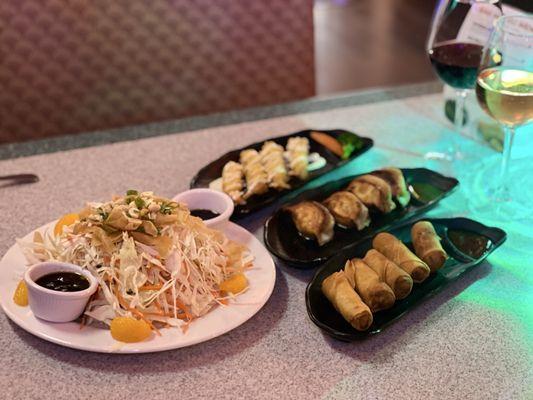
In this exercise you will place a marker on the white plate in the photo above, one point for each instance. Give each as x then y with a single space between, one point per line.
217 322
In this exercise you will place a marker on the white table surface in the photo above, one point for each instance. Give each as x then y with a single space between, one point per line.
471 341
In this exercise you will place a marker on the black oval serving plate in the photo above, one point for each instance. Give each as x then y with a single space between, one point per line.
213 170
283 240
461 259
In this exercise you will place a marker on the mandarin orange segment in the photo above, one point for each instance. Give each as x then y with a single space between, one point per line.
129 330
20 297
234 284
65 220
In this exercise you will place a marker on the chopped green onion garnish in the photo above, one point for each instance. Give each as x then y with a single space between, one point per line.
139 202
132 192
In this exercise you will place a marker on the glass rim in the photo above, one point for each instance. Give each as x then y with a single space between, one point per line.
499 24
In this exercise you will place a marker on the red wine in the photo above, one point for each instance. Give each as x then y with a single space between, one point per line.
457 63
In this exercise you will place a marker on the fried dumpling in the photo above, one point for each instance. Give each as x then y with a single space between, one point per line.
347 210
274 164
232 181
256 176
373 192
313 221
394 177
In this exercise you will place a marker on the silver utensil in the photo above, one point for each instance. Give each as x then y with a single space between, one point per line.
17 179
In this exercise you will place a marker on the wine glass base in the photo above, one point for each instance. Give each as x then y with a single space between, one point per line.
448 156
436 156
450 150
488 202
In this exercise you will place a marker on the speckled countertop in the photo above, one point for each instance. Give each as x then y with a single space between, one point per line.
471 341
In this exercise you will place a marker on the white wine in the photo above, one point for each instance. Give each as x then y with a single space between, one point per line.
506 94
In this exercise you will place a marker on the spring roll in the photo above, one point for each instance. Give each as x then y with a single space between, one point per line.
256 176
274 164
396 278
297 153
374 292
398 253
346 301
427 245
232 181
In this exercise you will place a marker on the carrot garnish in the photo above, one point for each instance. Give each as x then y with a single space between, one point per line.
151 287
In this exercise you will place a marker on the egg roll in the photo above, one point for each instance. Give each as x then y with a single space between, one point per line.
427 245
376 294
346 301
397 252
396 278
256 176
297 153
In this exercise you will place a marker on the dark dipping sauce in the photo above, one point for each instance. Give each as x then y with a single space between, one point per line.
470 243
204 214
63 282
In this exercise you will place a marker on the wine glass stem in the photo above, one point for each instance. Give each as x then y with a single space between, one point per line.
460 97
503 187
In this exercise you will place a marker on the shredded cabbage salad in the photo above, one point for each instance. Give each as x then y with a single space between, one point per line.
152 259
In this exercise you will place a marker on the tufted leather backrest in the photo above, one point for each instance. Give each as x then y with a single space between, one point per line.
76 65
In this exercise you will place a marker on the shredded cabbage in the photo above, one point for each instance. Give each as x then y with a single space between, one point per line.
152 259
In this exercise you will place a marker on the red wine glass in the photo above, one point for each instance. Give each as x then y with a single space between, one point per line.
459 30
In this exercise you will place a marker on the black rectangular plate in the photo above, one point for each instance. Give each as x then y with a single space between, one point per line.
328 319
283 240
213 170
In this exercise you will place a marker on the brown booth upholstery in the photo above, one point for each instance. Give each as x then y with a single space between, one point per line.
76 65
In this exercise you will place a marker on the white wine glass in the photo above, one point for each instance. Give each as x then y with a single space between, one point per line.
504 87
455 46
